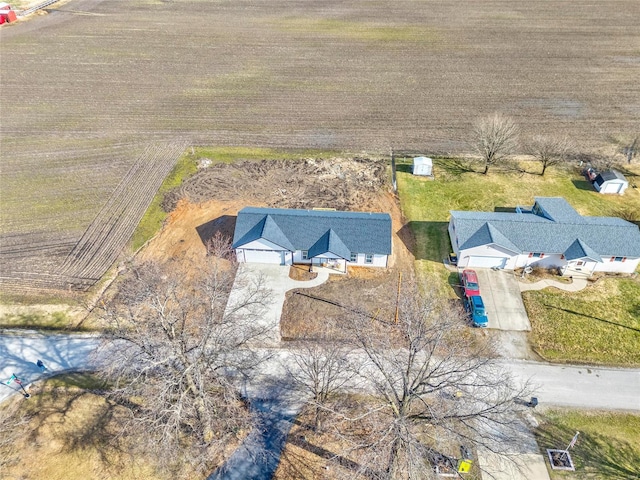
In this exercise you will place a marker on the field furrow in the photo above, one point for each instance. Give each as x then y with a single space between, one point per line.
103 241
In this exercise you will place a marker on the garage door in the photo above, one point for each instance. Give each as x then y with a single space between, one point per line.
612 188
263 256
487 262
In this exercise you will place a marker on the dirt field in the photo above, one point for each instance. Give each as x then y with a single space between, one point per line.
89 85
211 199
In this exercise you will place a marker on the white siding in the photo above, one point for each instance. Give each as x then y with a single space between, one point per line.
487 251
549 260
261 244
628 266
263 251
452 237
378 261
487 262
261 256
297 257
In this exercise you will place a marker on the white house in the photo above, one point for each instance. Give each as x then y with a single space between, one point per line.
422 166
318 237
549 234
611 181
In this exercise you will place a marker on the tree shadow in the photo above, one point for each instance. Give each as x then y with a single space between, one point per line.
593 455
224 224
583 185
573 312
456 166
426 240
94 428
404 167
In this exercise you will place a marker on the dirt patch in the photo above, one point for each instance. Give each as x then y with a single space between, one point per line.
188 228
343 184
301 273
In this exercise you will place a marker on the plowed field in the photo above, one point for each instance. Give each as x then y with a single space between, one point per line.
88 86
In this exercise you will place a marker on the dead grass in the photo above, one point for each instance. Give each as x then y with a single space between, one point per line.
74 434
68 438
301 273
326 455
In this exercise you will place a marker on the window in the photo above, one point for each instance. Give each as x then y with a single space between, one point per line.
536 255
354 258
368 258
618 259
305 254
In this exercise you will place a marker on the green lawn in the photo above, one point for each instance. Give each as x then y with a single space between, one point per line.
600 324
608 447
457 186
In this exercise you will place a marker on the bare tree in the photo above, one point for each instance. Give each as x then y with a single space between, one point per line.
549 151
631 150
172 337
432 383
321 370
495 139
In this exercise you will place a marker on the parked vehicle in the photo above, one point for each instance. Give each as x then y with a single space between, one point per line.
475 306
470 283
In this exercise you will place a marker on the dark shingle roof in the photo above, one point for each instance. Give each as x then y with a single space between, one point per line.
579 249
528 232
609 175
557 209
330 242
314 230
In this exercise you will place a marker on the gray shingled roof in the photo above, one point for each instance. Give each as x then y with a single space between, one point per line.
528 232
579 249
314 230
609 175
330 242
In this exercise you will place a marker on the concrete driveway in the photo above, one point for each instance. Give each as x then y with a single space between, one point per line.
276 278
502 299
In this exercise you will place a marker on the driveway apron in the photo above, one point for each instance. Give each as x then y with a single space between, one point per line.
503 300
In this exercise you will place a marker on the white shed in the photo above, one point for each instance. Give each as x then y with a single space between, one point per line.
611 181
422 166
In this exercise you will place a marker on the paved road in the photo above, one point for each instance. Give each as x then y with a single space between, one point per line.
20 350
276 406
581 387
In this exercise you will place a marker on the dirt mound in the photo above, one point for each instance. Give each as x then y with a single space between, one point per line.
344 184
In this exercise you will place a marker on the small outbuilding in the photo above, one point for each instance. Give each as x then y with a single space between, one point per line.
422 166
611 181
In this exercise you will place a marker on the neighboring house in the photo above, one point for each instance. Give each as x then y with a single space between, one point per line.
611 181
422 166
549 234
318 237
